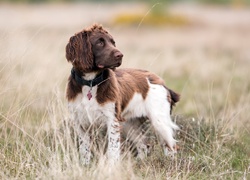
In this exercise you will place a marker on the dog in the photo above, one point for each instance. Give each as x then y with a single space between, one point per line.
99 92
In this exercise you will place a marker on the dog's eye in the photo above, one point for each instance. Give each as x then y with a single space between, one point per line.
113 42
100 42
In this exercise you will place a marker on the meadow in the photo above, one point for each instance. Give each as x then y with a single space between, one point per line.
206 60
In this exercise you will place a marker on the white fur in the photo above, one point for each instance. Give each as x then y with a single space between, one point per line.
157 108
89 76
135 108
85 112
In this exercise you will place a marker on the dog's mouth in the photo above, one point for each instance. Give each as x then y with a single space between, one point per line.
116 65
109 66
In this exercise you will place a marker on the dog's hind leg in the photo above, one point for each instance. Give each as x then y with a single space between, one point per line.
158 110
165 132
133 131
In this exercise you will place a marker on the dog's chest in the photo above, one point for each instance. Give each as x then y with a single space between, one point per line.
86 110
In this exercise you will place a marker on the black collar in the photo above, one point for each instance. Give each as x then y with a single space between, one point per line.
98 79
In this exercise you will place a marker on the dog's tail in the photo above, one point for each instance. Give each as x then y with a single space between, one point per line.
173 98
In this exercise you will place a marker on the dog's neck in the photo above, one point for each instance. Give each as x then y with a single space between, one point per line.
90 76
89 79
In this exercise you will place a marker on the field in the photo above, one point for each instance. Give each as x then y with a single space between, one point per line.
206 60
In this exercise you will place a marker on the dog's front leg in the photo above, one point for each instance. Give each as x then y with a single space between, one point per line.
113 151
84 144
84 149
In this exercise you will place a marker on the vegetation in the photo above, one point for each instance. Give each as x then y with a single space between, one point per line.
151 20
210 70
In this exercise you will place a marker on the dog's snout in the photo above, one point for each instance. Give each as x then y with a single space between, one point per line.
118 55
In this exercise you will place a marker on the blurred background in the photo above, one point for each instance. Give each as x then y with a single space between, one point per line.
200 47
193 44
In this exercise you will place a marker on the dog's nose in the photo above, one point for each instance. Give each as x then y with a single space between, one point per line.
118 55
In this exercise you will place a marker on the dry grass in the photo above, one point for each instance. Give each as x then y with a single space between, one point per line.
207 63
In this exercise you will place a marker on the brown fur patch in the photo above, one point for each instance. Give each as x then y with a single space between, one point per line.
131 81
172 97
79 52
73 89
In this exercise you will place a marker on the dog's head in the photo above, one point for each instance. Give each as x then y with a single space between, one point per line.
93 49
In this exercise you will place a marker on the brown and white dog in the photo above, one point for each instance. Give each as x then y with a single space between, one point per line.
97 92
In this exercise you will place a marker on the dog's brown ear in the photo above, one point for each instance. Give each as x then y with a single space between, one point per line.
79 51
70 49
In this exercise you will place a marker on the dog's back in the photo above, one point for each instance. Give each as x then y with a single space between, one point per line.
129 79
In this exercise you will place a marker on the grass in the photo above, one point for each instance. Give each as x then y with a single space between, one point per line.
36 141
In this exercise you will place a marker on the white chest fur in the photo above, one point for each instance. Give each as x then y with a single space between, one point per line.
88 111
